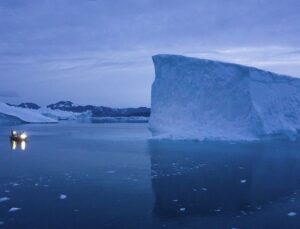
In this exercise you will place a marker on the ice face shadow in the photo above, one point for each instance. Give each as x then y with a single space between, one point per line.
192 178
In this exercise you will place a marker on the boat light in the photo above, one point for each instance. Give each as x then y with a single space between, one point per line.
23 136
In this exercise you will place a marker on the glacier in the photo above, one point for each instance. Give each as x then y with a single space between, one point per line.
203 99
16 115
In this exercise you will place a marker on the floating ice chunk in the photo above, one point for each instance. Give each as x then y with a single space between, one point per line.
111 171
182 209
3 199
243 181
14 209
204 189
292 214
62 196
1 222
175 200
243 212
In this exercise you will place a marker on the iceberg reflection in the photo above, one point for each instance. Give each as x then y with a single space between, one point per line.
192 178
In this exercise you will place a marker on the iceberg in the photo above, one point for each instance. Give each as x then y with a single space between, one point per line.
204 99
15 115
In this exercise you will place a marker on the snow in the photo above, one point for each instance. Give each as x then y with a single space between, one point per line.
204 99
21 115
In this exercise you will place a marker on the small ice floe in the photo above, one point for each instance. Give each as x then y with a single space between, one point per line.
258 207
182 209
62 196
15 184
243 212
292 214
111 171
204 189
218 210
195 190
36 184
1 222
241 167
175 200
243 181
14 209
3 199
7 191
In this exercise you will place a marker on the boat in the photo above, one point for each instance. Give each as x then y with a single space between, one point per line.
21 136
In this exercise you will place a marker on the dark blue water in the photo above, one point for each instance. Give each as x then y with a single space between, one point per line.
113 176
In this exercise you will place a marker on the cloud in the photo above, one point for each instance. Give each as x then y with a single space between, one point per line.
8 94
51 48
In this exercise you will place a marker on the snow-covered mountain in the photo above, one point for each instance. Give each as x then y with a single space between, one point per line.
66 110
203 99
100 111
12 114
26 105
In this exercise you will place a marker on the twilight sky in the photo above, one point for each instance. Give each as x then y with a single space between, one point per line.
99 51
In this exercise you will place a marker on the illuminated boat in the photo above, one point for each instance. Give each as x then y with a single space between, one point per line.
15 136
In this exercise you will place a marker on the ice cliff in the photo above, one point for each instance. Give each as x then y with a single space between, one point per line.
10 114
204 99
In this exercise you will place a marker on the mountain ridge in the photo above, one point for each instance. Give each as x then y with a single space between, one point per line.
96 111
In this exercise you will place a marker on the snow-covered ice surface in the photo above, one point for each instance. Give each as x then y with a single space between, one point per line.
10 114
203 99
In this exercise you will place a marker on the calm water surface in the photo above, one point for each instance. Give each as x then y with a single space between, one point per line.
112 176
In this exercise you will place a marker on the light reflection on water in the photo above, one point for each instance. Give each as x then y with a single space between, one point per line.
18 145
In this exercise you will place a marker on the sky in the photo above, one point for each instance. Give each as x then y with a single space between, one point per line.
99 51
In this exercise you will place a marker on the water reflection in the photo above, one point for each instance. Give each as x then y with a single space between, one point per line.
18 144
206 178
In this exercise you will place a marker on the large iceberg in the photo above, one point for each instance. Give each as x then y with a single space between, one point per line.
14 115
204 99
